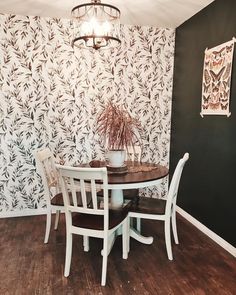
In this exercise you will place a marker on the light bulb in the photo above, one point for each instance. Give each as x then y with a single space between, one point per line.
93 25
85 28
106 27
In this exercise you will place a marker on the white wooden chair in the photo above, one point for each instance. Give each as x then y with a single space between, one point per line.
50 179
90 219
163 210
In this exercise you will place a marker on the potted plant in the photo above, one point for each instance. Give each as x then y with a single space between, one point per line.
119 131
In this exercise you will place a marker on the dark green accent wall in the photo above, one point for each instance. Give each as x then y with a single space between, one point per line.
208 187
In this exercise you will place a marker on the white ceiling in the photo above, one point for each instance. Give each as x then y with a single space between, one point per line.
158 13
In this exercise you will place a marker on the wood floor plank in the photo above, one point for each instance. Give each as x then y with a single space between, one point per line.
28 266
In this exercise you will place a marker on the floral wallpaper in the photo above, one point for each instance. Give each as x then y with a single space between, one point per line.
50 95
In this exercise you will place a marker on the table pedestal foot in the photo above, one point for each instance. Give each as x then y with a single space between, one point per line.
137 236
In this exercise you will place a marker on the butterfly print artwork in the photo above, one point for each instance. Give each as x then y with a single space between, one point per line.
216 79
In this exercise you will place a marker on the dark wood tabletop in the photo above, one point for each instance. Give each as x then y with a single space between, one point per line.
136 172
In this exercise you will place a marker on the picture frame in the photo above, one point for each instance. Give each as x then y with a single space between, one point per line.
216 80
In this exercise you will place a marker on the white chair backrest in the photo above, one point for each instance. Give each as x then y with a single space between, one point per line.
174 185
84 179
134 153
48 171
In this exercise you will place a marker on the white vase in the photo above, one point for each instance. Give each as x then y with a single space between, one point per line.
116 158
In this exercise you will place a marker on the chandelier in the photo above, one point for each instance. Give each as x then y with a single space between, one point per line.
98 25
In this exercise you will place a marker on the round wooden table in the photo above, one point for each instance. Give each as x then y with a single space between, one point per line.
138 175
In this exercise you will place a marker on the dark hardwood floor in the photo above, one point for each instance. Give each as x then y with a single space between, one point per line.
27 266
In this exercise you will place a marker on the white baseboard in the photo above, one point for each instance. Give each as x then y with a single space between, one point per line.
20 213
224 244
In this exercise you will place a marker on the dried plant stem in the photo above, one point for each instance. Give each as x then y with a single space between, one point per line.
117 128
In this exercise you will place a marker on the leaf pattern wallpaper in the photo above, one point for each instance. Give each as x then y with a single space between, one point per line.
50 95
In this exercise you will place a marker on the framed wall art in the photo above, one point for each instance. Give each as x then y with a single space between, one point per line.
217 79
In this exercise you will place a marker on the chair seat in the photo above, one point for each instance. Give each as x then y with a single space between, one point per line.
131 194
96 222
57 200
149 206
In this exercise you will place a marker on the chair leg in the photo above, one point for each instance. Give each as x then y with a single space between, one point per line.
104 261
57 219
68 253
110 243
138 224
86 243
174 227
48 226
125 237
168 239
131 221
128 234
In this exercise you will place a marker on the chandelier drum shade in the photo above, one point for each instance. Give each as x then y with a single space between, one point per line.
96 25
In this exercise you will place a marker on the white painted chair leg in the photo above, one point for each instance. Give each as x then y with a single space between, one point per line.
168 239
138 224
110 243
48 226
128 234
68 253
131 221
174 227
57 219
125 240
86 243
104 261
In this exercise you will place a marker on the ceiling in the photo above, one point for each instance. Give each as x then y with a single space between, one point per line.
158 13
